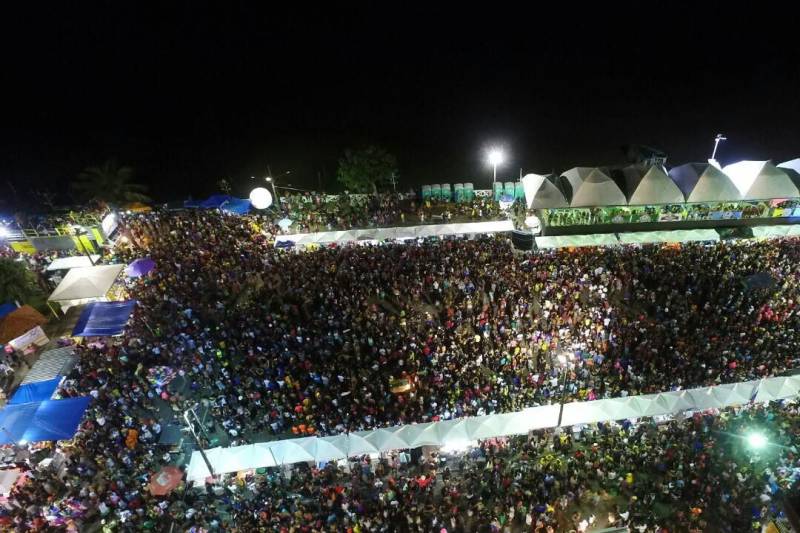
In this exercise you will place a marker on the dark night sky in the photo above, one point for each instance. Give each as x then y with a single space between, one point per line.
187 95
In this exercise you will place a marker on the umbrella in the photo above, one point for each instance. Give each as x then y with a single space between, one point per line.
165 481
140 267
284 223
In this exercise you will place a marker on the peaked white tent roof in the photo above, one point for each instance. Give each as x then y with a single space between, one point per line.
794 164
74 261
702 182
562 241
678 235
761 180
86 282
571 180
598 189
540 193
784 230
652 187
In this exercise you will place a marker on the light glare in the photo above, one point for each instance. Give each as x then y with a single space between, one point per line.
756 441
496 157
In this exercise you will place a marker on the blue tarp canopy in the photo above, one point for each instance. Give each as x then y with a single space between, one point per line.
35 392
236 206
101 319
40 421
6 308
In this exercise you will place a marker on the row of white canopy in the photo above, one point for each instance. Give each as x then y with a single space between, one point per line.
400 232
690 183
635 237
462 430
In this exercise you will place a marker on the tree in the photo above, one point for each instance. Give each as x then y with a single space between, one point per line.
366 169
109 183
18 284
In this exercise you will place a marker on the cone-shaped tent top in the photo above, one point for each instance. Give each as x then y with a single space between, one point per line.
792 168
598 189
654 187
761 180
793 164
701 182
540 193
570 181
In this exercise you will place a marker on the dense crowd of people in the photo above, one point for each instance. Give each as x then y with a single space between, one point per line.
348 338
318 212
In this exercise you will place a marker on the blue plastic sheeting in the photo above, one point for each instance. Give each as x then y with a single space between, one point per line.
6 308
101 319
40 421
212 202
236 206
35 392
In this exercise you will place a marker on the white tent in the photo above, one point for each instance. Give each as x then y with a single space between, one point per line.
679 235
598 189
401 232
74 261
651 188
785 230
85 284
562 241
540 193
701 182
793 164
761 180
571 180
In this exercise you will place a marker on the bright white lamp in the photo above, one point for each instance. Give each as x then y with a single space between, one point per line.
495 157
756 441
260 198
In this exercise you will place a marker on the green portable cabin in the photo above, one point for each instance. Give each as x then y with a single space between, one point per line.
436 191
458 192
469 192
509 189
447 192
497 191
426 192
519 191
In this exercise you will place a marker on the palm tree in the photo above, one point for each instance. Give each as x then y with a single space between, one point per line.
109 183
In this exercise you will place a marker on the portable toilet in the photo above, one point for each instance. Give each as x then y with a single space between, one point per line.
447 193
497 191
469 192
436 191
519 191
509 189
458 192
426 192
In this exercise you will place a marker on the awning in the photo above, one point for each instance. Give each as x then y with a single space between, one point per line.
52 363
42 421
784 230
566 241
86 283
19 321
669 236
74 261
35 392
101 319
140 267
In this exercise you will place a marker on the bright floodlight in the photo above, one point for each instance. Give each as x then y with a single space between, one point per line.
3 232
756 441
496 157
260 198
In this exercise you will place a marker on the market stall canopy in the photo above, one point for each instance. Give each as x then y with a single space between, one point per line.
570 181
692 235
74 261
569 241
651 187
101 319
793 164
18 322
85 283
35 392
598 189
6 308
236 206
51 364
215 201
140 267
783 230
42 421
701 182
761 180
541 193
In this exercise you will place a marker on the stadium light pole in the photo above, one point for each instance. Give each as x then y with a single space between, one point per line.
720 137
496 157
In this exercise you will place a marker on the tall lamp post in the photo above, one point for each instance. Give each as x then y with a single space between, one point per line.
196 439
495 157
565 362
80 232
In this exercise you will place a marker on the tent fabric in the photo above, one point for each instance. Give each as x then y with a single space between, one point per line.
541 193
564 241
140 267
702 182
441 433
101 319
18 322
598 189
570 181
236 206
42 421
693 235
74 261
793 164
52 363
761 180
86 282
215 201
652 188
6 308
784 230
35 392
400 232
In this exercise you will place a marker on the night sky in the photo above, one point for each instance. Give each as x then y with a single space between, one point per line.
187 95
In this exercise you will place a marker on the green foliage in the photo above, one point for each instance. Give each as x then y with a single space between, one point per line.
108 183
367 169
18 284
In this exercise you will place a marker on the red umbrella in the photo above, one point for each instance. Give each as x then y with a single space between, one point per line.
165 481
